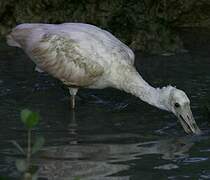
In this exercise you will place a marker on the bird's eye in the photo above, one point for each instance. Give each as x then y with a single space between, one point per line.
177 105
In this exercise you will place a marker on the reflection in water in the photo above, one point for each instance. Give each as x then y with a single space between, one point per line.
102 161
72 128
121 138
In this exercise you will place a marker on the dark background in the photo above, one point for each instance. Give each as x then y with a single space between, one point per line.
152 26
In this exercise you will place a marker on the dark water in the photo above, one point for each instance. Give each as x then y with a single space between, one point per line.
111 135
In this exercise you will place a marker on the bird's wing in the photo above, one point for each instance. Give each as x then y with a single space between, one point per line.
73 52
91 38
63 58
125 53
113 46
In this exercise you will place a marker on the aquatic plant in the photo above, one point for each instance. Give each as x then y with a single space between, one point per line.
30 119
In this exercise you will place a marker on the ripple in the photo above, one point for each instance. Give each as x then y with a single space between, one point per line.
195 159
167 167
4 92
115 132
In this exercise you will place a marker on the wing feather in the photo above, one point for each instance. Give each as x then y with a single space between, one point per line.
63 58
76 53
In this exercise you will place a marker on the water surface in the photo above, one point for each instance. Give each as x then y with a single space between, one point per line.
111 134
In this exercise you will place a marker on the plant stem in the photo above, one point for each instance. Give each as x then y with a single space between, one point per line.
29 150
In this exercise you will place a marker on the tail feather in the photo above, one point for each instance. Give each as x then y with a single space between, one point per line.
11 41
18 36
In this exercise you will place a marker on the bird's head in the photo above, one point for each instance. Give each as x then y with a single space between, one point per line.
180 105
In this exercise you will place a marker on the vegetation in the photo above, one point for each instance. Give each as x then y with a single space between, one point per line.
25 166
147 25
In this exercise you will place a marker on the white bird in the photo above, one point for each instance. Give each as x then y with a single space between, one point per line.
85 56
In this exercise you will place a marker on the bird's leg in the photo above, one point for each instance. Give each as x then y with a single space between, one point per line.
73 92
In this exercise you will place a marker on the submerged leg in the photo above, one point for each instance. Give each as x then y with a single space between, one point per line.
73 92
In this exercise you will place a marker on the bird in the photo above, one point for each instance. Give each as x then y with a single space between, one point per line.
82 55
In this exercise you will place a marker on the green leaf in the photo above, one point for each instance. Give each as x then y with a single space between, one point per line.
21 165
15 143
25 113
38 144
29 118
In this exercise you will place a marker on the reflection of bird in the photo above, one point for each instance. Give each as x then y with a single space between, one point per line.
104 161
82 55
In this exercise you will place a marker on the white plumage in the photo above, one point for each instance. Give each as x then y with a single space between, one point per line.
83 55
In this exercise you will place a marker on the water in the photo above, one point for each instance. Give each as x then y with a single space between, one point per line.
111 135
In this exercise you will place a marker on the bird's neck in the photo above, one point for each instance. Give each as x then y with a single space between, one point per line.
132 82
